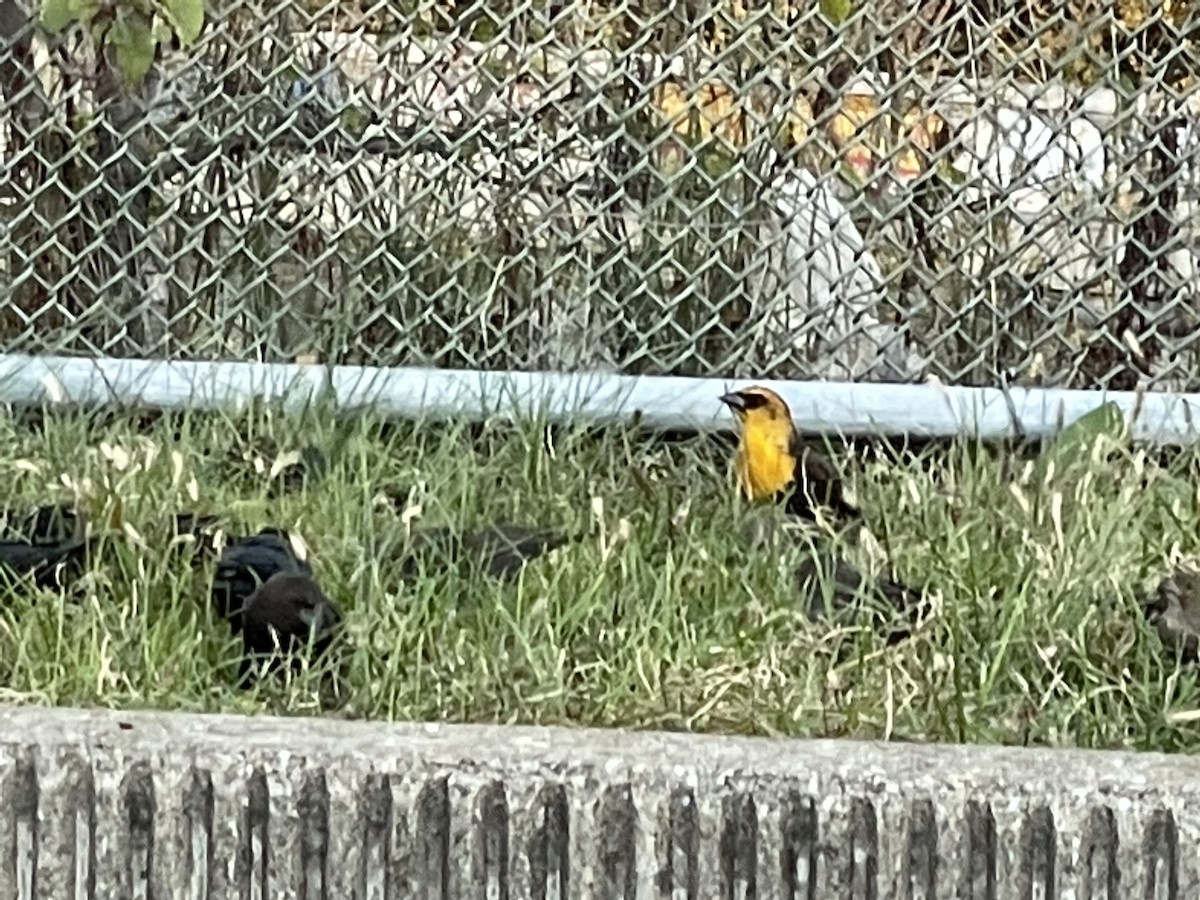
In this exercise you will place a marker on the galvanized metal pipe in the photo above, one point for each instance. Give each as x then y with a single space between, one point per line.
669 402
124 805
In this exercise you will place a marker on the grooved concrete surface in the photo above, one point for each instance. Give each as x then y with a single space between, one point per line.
143 805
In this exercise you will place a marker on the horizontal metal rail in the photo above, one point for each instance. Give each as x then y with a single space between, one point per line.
670 402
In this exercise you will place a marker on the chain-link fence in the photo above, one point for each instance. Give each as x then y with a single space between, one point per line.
968 191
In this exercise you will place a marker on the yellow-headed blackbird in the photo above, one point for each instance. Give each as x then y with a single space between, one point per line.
499 550
1173 608
248 562
282 618
774 463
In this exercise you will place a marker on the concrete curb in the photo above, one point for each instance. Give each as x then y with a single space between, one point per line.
98 804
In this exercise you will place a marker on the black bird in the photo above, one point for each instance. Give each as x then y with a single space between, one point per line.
499 550
1173 608
285 616
248 562
49 524
850 591
49 544
52 566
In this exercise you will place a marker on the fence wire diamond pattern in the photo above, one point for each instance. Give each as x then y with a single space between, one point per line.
969 192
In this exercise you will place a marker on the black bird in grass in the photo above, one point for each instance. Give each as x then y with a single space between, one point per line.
248 562
266 593
51 566
49 545
48 524
498 550
285 616
849 591
1173 608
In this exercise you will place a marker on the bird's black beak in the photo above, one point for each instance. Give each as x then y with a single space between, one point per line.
734 401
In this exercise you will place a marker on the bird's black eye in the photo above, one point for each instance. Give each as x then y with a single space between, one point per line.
754 401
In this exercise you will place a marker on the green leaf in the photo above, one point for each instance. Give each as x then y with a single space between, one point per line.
355 120
131 38
836 11
485 30
717 164
58 14
1078 438
187 16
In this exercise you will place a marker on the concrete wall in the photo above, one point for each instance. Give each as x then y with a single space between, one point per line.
141 805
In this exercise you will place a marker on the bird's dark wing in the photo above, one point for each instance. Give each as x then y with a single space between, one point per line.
293 608
817 483
889 603
500 550
43 525
51 565
504 549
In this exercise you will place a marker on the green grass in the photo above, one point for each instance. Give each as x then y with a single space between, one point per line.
660 618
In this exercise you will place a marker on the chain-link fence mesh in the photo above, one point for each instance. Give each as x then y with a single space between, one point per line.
968 191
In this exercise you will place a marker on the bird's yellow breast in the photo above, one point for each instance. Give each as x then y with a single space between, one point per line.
764 468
